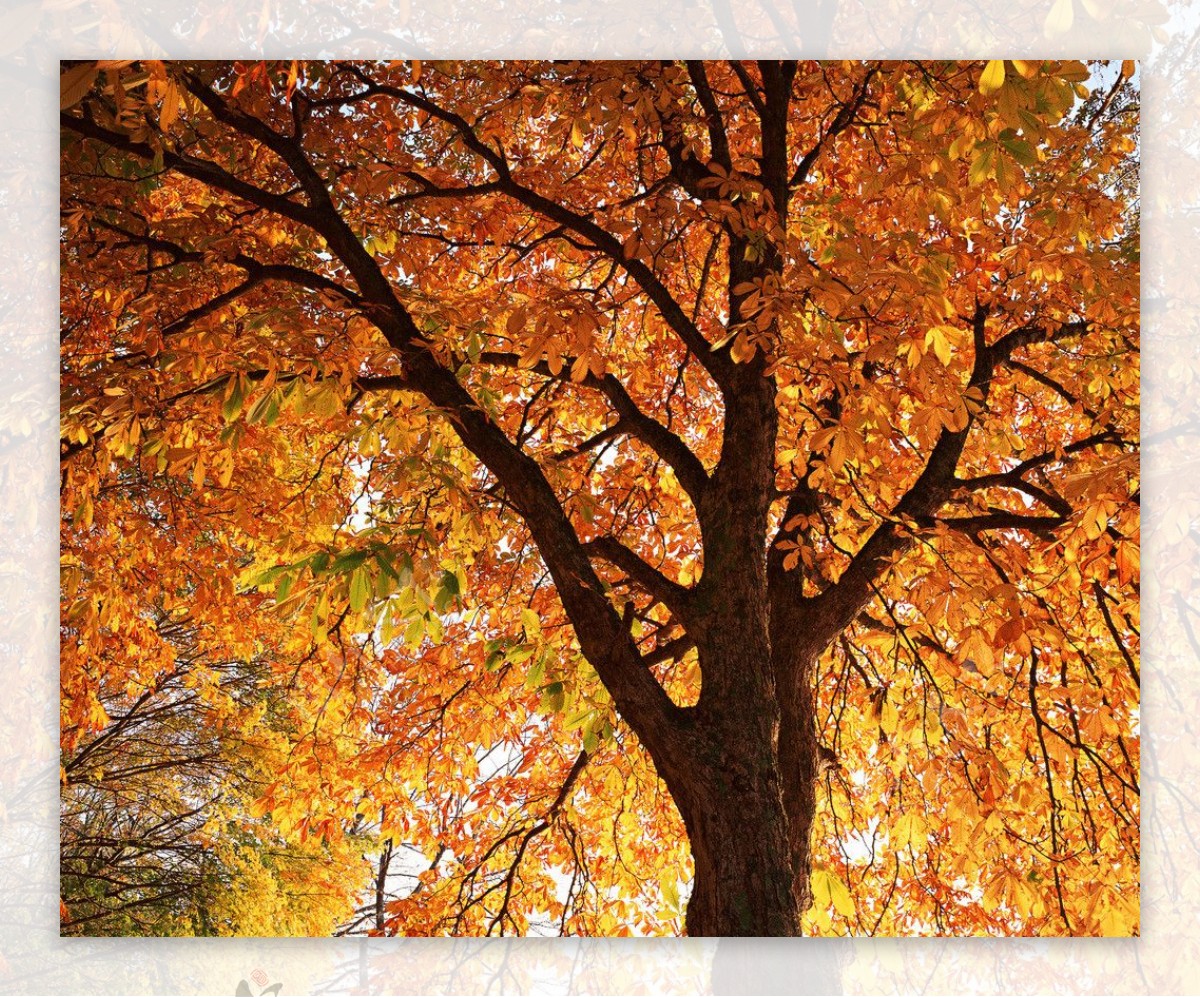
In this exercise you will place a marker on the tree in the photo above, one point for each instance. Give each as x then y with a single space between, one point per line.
165 750
694 486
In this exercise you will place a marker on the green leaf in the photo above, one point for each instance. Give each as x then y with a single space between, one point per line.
414 633
433 627
554 697
360 588
404 568
1019 149
232 407
981 165
232 434
578 719
268 576
386 565
349 560
266 409
1005 173
387 625
535 673
284 587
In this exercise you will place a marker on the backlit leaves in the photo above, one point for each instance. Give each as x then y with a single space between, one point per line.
273 535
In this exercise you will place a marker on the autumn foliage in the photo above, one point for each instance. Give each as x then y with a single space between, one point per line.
600 498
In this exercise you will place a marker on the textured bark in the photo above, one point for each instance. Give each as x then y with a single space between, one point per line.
732 789
797 752
743 883
797 639
732 801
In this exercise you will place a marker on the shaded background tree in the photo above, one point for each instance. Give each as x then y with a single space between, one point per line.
177 714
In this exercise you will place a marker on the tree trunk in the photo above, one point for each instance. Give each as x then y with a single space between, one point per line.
797 751
743 880
731 796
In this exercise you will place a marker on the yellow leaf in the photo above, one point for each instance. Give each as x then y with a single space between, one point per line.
839 893
960 835
911 830
1073 71
434 628
993 77
829 891
889 718
977 650
941 339
1118 918
742 349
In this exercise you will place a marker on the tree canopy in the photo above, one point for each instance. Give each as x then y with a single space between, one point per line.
600 498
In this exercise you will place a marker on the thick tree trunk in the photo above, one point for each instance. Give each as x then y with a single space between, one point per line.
732 798
743 773
743 864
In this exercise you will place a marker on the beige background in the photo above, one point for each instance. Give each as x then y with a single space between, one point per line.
34 35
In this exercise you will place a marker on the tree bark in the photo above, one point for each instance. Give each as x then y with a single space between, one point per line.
731 793
737 826
797 752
